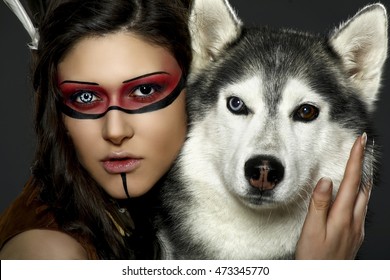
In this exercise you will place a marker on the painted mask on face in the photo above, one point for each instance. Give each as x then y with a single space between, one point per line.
146 93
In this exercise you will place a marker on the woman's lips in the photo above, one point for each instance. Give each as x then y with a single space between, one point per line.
121 165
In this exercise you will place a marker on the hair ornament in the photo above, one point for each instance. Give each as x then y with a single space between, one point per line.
18 9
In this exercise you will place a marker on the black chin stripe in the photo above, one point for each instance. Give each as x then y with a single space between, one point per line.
124 182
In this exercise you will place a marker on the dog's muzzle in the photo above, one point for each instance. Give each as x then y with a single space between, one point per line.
264 172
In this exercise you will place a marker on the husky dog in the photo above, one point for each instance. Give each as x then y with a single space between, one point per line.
270 113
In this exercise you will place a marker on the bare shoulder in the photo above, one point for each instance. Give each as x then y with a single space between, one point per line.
42 244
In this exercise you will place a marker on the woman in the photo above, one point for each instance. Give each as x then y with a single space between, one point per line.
134 39
101 154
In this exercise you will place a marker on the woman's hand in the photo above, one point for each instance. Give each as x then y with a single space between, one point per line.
336 230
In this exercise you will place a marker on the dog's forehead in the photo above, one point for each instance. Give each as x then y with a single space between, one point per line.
276 57
281 54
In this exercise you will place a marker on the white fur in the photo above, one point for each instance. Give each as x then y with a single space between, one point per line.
217 176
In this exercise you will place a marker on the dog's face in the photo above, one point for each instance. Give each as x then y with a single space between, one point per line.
274 111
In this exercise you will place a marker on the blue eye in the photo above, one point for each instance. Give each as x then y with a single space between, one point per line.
84 97
236 106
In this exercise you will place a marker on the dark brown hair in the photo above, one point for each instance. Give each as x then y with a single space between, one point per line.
80 205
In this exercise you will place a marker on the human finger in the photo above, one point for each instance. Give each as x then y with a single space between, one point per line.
349 187
317 216
363 198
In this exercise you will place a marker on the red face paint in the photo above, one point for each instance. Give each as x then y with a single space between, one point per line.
146 93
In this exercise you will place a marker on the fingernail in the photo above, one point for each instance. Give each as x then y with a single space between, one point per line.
325 184
363 139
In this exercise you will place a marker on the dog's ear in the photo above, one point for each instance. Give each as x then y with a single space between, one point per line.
213 24
362 44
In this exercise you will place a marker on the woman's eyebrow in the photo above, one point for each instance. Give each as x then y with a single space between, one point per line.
124 82
146 75
79 82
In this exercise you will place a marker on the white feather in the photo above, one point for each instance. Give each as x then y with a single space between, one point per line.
22 15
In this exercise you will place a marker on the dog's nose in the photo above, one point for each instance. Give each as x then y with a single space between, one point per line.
264 172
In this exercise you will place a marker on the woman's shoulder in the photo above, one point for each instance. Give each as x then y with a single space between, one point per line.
43 244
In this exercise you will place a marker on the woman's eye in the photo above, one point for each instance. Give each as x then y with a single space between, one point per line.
236 106
306 113
145 90
85 97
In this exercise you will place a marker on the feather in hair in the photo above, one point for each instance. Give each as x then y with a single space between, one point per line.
22 15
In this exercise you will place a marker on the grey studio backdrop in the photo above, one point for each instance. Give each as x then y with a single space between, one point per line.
17 135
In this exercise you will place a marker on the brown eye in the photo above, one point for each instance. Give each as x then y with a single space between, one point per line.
306 113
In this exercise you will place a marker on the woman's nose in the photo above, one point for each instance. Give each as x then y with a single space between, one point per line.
117 128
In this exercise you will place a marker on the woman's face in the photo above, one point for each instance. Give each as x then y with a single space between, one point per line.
111 77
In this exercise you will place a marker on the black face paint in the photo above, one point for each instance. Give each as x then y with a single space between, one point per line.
124 182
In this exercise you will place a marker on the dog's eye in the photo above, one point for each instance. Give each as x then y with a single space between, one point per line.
306 113
236 106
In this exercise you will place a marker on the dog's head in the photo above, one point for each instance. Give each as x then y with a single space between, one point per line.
273 111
